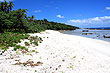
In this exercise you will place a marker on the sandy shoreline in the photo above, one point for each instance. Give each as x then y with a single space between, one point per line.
61 53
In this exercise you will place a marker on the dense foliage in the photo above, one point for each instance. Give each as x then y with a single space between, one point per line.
18 21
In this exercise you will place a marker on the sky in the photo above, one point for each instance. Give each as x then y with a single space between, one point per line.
81 13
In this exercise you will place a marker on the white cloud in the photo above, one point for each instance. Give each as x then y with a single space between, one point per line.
107 8
37 11
60 16
91 22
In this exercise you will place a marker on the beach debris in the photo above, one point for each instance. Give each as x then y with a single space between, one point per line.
50 67
63 60
17 60
79 61
59 66
29 63
23 51
27 44
39 62
82 58
74 56
0 53
56 68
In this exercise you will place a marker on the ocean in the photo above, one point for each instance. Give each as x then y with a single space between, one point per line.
95 34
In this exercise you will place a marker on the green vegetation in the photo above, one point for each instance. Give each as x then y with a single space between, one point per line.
35 70
9 39
14 23
35 40
19 47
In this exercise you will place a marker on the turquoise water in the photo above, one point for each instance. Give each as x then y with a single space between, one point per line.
95 34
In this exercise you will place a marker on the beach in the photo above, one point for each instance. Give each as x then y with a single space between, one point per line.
59 53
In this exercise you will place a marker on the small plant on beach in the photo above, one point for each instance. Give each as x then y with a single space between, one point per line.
31 41
27 44
20 47
36 43
63 60
40 39
35 40
4 48
33 51
35 70
70 67
16 47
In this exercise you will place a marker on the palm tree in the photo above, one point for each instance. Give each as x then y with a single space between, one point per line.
33 17
45 21
2 6
10 5
6 6
30 19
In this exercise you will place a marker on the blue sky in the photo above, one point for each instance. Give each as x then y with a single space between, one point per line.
81 13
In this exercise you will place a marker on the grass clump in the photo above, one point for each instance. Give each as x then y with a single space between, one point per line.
20 47
10 39
35 40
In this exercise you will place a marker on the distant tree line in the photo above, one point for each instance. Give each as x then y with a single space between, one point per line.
18 21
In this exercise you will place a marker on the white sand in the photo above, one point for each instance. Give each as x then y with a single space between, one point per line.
61 53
